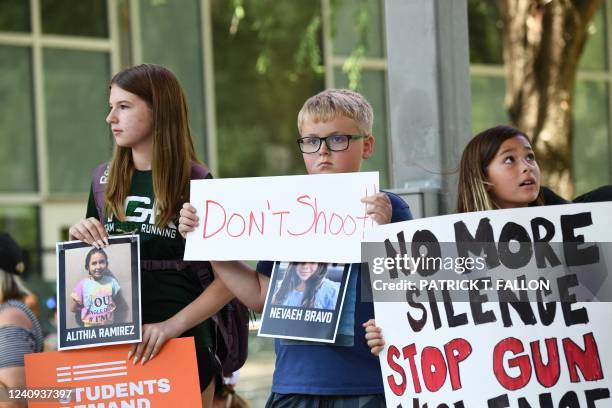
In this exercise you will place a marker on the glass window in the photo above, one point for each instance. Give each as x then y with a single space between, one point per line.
17 144
349 16
178 47
373 88
76 18
259 88
594 54
124 34
76 99
488 103
485 32
15 15
590 147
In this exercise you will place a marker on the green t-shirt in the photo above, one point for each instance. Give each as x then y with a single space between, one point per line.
163 292
155 242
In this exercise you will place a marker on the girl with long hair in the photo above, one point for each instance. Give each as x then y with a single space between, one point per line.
146 182
498 170
305 285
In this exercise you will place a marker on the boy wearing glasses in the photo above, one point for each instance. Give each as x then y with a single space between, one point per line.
335 137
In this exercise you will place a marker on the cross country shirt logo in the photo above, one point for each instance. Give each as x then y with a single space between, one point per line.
140 216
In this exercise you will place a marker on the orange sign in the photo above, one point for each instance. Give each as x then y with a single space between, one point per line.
103 377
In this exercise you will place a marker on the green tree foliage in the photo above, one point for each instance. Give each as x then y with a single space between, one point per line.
485 32
267 63
307 57
541 45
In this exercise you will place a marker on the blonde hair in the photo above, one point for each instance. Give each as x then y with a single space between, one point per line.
476 157
332 103
173 150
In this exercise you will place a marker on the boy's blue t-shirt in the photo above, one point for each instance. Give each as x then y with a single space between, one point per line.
346 367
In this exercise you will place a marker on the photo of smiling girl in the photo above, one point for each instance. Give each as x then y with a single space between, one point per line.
98 300
304 301
305 284
97 297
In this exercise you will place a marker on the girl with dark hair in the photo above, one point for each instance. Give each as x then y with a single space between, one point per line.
498 170
97 297
145 183
305 285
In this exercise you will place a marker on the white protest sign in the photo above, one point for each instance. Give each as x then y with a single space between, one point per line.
317 218
489 354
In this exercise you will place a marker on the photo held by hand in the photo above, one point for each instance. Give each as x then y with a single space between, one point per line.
140 191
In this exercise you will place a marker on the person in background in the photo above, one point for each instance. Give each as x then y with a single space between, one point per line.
20 331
